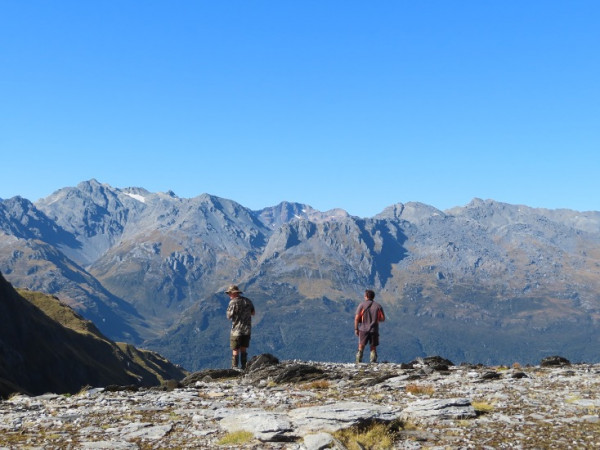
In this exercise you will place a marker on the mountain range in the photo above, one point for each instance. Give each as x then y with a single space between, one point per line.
487 283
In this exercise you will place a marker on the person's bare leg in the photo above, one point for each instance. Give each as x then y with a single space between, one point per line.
234 359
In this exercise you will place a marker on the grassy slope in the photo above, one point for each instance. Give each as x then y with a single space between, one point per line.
46 347
147 365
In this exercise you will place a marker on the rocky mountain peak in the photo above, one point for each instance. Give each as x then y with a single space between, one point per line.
286 212
20 218
139 194
413 212
283 213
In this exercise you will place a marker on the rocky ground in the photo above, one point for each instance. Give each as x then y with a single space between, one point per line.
429 403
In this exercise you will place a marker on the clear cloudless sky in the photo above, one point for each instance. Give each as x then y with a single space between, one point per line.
336 104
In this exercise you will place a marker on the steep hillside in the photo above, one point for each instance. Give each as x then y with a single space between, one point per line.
46 347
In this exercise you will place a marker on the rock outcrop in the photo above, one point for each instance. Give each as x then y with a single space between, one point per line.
347 406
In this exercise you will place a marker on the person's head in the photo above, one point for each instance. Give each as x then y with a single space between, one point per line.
233 291
369 294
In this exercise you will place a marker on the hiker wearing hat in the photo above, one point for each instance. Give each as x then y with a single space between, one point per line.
366 325
240 312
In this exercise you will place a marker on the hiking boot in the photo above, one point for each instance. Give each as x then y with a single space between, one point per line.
244 360
373 356
359 356
234 361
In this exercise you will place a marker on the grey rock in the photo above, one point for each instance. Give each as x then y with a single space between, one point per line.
519 375
336 416
260 361
209 375
436 362
439 409
265 426
282 373
490 375
297 373
318 441
109 445
553 361
151 433
284 416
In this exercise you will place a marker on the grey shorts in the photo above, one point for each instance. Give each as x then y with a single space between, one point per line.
239 341
366 337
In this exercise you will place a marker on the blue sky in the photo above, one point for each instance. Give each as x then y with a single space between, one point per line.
356 105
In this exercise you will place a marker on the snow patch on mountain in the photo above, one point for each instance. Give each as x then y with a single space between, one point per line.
137 197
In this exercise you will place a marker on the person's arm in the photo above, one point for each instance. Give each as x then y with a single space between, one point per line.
230 310
380 315
356 324
252 310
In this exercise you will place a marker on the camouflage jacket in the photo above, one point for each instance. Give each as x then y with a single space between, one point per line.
240 312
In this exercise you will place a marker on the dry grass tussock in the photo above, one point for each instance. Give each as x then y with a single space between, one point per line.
236 438
482 407
419 389
374 436
319 385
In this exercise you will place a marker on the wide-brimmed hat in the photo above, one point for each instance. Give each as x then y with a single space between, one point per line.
233 289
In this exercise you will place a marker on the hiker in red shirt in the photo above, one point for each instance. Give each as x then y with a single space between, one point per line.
366 325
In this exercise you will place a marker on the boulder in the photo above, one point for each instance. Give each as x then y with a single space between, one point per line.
555 361
264 425
340 415
318 441
490 375
432 410
267 368
259 361
435 363
210 374
298 373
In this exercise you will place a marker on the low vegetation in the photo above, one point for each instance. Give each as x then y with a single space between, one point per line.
373 436
61 313
236 438
419 389
482 407
319 385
